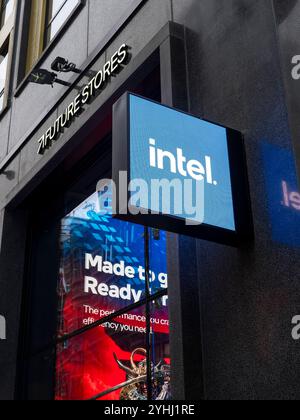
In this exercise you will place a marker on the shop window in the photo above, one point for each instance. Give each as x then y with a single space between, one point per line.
102 272
47 18
7 7
109 324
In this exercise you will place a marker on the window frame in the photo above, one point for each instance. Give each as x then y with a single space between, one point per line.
23 73
49 20
7 41
4 50
1 10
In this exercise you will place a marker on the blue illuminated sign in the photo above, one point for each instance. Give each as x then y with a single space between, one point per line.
168 144
184 174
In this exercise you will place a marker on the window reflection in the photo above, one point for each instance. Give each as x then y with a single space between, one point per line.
7 8
56 6
283 194
3 73
59 11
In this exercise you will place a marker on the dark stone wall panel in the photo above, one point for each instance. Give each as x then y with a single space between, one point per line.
248 297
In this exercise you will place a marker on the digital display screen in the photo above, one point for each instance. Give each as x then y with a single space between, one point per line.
102 271
166 144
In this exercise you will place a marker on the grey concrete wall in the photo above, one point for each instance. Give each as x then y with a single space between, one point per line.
248 297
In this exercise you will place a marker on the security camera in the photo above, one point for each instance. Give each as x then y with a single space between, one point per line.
61 65
45 77
42 77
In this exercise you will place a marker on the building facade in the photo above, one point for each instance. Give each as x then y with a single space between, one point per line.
224 314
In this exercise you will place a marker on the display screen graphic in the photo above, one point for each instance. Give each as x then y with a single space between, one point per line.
168 144
103 271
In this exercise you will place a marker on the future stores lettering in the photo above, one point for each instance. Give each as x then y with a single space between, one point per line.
111 68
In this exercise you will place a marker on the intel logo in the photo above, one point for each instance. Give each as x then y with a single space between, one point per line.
180 165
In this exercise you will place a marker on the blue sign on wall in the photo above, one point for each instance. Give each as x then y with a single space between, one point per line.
283 194
184 174
168 144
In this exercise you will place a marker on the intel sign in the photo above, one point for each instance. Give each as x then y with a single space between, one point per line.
183 174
